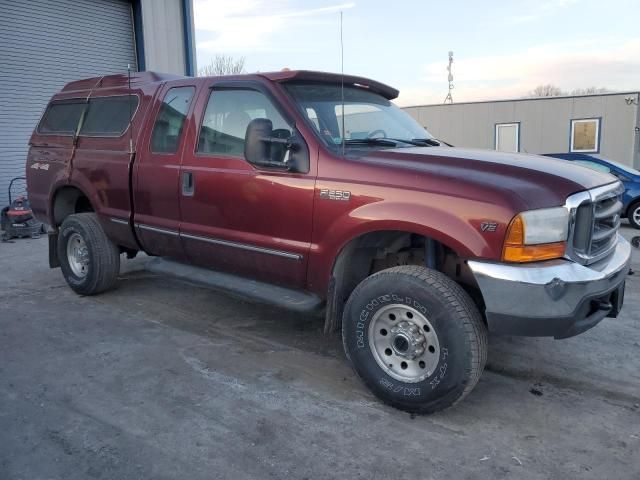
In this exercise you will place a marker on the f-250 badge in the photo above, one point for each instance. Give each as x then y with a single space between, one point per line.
342 195
488 226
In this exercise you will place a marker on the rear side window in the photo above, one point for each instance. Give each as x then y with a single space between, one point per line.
168 127
61 117
108 116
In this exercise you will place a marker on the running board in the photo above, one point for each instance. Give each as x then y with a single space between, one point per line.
240 286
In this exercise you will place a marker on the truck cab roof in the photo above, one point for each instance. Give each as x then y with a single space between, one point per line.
143 78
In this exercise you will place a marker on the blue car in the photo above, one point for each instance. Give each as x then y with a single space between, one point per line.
630 177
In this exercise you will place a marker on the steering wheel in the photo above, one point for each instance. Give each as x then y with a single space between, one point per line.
376 132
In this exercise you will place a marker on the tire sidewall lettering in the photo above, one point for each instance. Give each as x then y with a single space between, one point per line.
409 390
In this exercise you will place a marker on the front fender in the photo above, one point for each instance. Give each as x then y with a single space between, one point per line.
458 224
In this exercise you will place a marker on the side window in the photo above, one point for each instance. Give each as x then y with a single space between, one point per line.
168 127
227 116
61 117
108 116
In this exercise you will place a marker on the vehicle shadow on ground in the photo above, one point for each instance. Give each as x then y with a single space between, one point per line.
216 316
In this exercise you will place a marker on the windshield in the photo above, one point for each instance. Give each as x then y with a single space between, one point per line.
369 119
626 168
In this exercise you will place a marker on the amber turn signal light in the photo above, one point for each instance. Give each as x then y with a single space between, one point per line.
515 249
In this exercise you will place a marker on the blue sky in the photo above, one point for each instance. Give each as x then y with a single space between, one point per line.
502 49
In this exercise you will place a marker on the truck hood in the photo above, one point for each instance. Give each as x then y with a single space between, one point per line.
528 181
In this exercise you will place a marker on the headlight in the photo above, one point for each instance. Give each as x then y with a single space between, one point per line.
537 235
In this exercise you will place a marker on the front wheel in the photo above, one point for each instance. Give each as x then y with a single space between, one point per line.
634 215
415 338
90 262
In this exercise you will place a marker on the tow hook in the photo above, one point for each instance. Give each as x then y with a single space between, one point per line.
604 305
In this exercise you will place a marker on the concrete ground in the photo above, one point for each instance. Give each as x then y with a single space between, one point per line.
165 380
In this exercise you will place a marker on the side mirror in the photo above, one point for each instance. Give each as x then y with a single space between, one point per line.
264 149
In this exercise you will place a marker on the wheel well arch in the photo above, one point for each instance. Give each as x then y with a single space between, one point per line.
377 250
68 200
634 201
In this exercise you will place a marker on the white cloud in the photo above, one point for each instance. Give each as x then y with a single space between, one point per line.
241 25
568 65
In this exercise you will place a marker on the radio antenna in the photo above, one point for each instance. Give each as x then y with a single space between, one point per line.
344 133
449 97
130 110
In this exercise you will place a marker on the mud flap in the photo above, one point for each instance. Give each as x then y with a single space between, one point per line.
54 261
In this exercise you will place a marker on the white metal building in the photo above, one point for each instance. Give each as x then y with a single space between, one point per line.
47 43
608 124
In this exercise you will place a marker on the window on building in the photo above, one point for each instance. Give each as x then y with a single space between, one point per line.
62 117
227 116
167 130
585 135
507 137
108 116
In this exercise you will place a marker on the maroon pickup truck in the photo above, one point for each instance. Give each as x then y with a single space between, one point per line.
315 184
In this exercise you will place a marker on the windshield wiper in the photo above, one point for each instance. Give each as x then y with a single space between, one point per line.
426 141
393 142
418 142
385 142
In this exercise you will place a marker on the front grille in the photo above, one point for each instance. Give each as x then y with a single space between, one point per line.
595 220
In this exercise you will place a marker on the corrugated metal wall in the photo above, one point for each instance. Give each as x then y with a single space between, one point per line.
43 45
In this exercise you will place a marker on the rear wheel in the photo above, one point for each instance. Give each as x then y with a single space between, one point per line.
415 338
90 262
634 215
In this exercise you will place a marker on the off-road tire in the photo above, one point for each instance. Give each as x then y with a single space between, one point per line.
461 334
635 206
103 255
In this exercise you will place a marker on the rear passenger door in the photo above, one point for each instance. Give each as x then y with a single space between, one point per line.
156 183
247 219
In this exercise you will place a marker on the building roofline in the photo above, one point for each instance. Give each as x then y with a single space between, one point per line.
560 97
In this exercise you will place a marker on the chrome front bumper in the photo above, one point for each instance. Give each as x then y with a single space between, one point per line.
557 298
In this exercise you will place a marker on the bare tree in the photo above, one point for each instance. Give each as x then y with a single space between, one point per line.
590 91
547 90
222 65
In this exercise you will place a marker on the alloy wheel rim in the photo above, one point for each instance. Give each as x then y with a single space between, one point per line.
78 255
404 343
636 215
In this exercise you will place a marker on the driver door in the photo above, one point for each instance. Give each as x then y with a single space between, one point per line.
235 216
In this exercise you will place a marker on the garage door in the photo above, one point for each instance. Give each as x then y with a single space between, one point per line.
43 45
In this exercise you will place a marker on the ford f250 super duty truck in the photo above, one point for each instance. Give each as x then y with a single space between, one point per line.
316 183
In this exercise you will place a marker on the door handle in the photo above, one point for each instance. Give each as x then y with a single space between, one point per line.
188 186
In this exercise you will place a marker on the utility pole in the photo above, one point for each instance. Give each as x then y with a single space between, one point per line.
449 97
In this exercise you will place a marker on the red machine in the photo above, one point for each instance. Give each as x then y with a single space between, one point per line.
17 219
